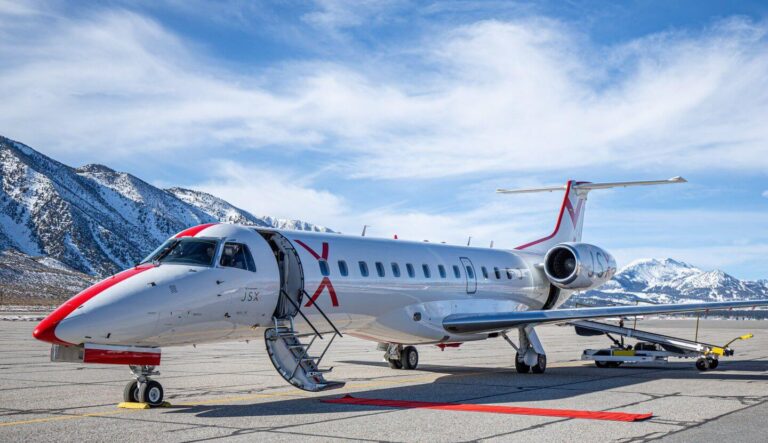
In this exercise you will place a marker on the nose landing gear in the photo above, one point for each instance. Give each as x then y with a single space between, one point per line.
144 389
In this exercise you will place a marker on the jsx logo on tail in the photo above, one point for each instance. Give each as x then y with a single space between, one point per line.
322 260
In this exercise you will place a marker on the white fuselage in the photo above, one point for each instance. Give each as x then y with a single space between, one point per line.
375 289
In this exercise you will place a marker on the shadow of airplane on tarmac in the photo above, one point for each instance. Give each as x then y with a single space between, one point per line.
482 385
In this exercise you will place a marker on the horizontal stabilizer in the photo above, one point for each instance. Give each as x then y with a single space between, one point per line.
586 186
498 321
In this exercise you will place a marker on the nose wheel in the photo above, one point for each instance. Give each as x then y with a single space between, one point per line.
144 389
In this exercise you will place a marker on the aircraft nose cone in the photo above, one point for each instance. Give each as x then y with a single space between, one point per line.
46 330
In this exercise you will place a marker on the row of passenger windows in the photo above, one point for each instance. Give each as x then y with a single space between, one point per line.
426 270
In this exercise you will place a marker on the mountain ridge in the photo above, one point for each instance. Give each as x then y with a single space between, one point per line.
92 218
652 280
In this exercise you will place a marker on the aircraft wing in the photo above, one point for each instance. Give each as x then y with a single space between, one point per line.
497 321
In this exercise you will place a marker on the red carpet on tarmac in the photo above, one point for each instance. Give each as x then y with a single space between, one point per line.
567 413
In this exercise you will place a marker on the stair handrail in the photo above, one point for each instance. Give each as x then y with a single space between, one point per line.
317 306
298 309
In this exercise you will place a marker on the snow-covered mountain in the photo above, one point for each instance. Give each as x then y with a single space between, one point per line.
671 281
93 219
225 212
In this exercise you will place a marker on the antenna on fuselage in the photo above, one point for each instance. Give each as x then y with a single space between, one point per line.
365 227
491 244
469 240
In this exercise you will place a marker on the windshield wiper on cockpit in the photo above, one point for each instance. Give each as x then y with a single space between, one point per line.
165 252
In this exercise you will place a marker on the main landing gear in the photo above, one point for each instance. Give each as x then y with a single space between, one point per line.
143 389
530 356
399 357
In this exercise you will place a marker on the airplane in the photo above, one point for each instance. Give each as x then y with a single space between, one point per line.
220 282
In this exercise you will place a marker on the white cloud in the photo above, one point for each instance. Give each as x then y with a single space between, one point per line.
272 192
281 193
487 97
337 14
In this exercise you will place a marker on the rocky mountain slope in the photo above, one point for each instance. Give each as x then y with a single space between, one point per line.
671 281
93 219
35 280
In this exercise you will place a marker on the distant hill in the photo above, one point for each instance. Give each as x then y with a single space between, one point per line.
37 280
96 220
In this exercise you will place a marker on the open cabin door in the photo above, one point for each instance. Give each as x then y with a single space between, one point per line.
291 274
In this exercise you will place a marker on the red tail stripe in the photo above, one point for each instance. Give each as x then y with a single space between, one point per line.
45 331
568 413
566 202
194 230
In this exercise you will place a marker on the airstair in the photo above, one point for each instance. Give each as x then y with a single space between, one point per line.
291 351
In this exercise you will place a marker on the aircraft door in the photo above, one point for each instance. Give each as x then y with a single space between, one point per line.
469 273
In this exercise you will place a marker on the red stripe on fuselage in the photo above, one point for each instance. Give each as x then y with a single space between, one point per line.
193 231
112 357
566 201
46 330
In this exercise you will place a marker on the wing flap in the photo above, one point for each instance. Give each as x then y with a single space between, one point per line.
497 321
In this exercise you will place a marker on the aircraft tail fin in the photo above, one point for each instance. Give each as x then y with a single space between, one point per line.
571 217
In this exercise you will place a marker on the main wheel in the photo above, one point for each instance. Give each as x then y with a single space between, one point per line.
395 364
151 393
701 364
131 392
614 364
541 365
713 363
409 358
601 364
520 364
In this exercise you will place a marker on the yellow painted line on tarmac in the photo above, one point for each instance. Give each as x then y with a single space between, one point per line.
59 418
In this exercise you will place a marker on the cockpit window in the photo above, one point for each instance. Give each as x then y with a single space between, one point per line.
186 251
237 255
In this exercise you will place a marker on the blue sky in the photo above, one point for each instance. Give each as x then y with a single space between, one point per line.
407 115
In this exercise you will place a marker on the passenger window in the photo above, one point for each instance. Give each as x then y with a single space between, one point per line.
509 274
409 269
497 272
380 269
441 270
237 255
395 269
324 269
470 272
456 272
364 269
485 272
343 270
425 269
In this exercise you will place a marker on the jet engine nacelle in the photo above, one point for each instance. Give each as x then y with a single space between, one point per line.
578 266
